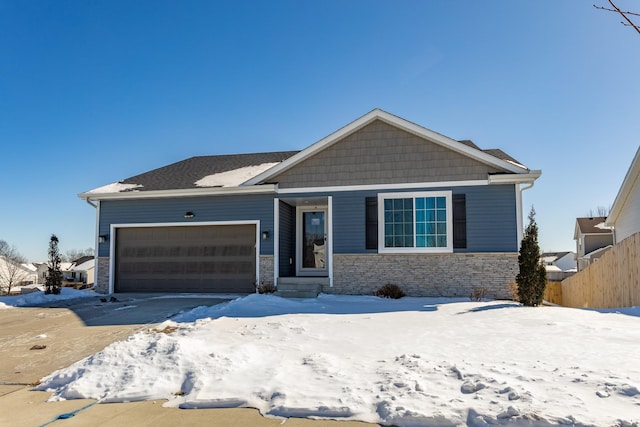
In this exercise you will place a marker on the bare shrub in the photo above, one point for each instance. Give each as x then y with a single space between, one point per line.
513 290
266 288
478 293
390 291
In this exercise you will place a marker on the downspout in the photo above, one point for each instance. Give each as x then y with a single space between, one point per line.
96 244
520 219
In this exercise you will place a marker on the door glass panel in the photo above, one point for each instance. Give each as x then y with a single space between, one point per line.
313 240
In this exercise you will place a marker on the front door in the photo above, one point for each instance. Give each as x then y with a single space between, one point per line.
311 242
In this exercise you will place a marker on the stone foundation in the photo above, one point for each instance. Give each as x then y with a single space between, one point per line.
266 270
428 275
102 278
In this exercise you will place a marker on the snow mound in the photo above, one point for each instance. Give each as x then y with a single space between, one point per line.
408 362
39 297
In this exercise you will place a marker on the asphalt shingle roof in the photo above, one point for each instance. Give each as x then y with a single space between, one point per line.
588 225
184 174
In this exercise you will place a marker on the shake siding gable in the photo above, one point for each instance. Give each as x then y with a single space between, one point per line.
382 154
206 209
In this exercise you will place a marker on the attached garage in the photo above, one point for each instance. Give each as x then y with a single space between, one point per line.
218 258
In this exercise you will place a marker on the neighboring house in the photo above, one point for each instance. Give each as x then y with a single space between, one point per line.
83 270
13 275
42 269
559 265
79 270
381 200
624 217
593 238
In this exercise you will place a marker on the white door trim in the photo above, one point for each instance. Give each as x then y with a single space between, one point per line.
309 271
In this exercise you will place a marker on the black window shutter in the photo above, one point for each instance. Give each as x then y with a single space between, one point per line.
371 222
459 221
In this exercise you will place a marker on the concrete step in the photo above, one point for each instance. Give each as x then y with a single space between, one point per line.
296 294
299 287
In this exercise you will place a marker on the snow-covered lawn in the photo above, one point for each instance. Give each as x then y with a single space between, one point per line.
414 361
39 297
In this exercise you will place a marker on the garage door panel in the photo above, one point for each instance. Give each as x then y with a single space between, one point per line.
216 258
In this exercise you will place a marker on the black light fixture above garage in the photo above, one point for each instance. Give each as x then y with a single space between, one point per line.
103 238
265 235
189 214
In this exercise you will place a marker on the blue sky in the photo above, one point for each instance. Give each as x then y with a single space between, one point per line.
92 92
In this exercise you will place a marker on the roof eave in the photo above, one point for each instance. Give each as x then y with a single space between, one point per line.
186 192
627 184
515 178
395 121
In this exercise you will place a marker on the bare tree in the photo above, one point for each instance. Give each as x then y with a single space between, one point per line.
12 272
74 254
600 211
616 9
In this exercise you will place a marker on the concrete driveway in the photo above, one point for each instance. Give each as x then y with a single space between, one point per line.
36 341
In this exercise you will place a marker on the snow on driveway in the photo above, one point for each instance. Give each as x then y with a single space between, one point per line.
414 361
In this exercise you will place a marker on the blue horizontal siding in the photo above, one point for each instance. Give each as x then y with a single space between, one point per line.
220 208
491 218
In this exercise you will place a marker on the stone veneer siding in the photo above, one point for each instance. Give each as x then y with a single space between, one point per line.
429 275
102 280
266 269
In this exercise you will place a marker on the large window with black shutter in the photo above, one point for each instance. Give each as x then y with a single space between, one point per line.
419 221
415 222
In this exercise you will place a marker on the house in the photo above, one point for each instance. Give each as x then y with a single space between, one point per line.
559 265
42 269
381 200
14 274
624 217
593 238
82 270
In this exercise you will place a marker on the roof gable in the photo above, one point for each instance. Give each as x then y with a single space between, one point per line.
630 179
592 225
463 148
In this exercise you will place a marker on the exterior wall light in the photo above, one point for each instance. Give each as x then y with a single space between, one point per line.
189 214
103 238
265 235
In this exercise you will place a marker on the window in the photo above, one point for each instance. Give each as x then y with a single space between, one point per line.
415 222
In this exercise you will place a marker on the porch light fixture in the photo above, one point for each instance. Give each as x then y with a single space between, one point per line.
265 235
103 238
189 214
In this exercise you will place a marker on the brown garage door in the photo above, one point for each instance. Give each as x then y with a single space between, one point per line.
215 258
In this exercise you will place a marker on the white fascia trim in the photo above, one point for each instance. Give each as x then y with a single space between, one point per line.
329 254
411 186
397 122
415 250
189 192
276 241
517 178
633 174
114 227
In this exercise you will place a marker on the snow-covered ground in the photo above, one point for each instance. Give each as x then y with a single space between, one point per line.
414 361
39 297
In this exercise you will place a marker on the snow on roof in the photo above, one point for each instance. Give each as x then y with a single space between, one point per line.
87 265
115 187
235 177
552 268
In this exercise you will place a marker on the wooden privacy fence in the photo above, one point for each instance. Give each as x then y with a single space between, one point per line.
553 292
612 281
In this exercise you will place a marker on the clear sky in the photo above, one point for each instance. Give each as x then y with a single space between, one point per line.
92 92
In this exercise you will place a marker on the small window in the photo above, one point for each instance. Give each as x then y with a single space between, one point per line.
415 222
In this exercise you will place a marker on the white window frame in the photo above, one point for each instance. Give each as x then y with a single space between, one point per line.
413 195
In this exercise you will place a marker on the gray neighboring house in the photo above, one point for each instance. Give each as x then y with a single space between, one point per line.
381 200
593 238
